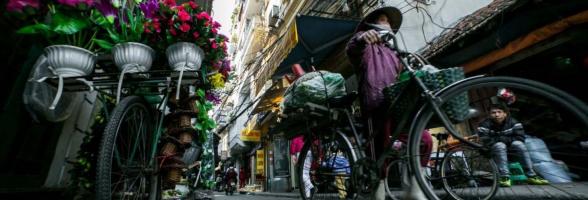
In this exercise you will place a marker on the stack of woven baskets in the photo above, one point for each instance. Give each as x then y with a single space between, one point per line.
177 138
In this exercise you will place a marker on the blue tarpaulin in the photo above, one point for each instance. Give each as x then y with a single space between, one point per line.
317 38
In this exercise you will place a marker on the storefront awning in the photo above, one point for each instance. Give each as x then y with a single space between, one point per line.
317 38
272 97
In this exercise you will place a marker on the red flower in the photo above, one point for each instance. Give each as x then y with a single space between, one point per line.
215 24
213 44
184 27
193 5
169 2
173 32
203 15
184 16
157 26
214 30
196 35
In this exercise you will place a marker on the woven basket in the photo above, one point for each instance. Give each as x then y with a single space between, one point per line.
404 95
168 149
185 138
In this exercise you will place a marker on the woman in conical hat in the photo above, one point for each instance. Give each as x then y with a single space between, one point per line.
377 67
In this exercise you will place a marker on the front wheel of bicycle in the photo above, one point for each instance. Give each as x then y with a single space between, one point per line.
555 122
469 173
324 167
125 168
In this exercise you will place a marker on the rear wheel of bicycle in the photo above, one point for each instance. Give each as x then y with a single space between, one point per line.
468 173
324 167
125 168
548 114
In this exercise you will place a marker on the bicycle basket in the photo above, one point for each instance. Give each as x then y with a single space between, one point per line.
403 95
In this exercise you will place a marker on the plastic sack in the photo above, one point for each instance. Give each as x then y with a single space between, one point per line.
538 150
38 96
314 87
553 172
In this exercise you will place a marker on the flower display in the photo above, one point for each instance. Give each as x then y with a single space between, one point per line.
123 23
185 22
58 21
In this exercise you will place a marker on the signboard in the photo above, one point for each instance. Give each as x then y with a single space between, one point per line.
250 135
259 165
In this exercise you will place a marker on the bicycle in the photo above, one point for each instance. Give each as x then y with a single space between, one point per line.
467 172
128 162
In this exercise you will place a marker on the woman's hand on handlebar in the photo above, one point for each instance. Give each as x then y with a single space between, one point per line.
370 37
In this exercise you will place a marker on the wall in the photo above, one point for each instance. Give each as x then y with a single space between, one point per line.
417 27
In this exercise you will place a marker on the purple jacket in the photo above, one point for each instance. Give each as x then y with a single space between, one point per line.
377 67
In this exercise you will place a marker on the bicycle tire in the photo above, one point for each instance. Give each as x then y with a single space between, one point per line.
395 193
108 163
567 102
463 155
347 150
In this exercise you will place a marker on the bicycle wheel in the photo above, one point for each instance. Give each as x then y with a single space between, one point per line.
324 167
467 173
395 184
547 113
125 167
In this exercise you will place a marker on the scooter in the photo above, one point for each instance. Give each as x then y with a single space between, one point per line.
229 188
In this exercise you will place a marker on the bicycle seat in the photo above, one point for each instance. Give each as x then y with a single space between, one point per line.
342 101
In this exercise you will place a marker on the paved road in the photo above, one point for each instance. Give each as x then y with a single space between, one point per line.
222 196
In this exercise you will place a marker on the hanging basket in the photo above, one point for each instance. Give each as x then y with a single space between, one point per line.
184 56
133 57
70 61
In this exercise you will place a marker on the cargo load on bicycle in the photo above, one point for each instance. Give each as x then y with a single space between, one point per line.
314 87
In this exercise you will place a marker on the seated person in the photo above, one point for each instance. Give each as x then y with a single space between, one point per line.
500 131
339 165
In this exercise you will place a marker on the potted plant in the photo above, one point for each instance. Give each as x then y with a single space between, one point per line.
123 33
65 27
189 34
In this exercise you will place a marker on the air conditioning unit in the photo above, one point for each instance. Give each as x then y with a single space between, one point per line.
274 17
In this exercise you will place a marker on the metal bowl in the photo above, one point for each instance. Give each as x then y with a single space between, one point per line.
133 56
184 55
70 61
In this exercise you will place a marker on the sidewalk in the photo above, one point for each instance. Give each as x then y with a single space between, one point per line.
576 190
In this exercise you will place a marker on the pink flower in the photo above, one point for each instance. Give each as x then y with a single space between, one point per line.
196 35
215 24
214 30
173 32
203 15
183 15
19 5
213 44
193 5
185 27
